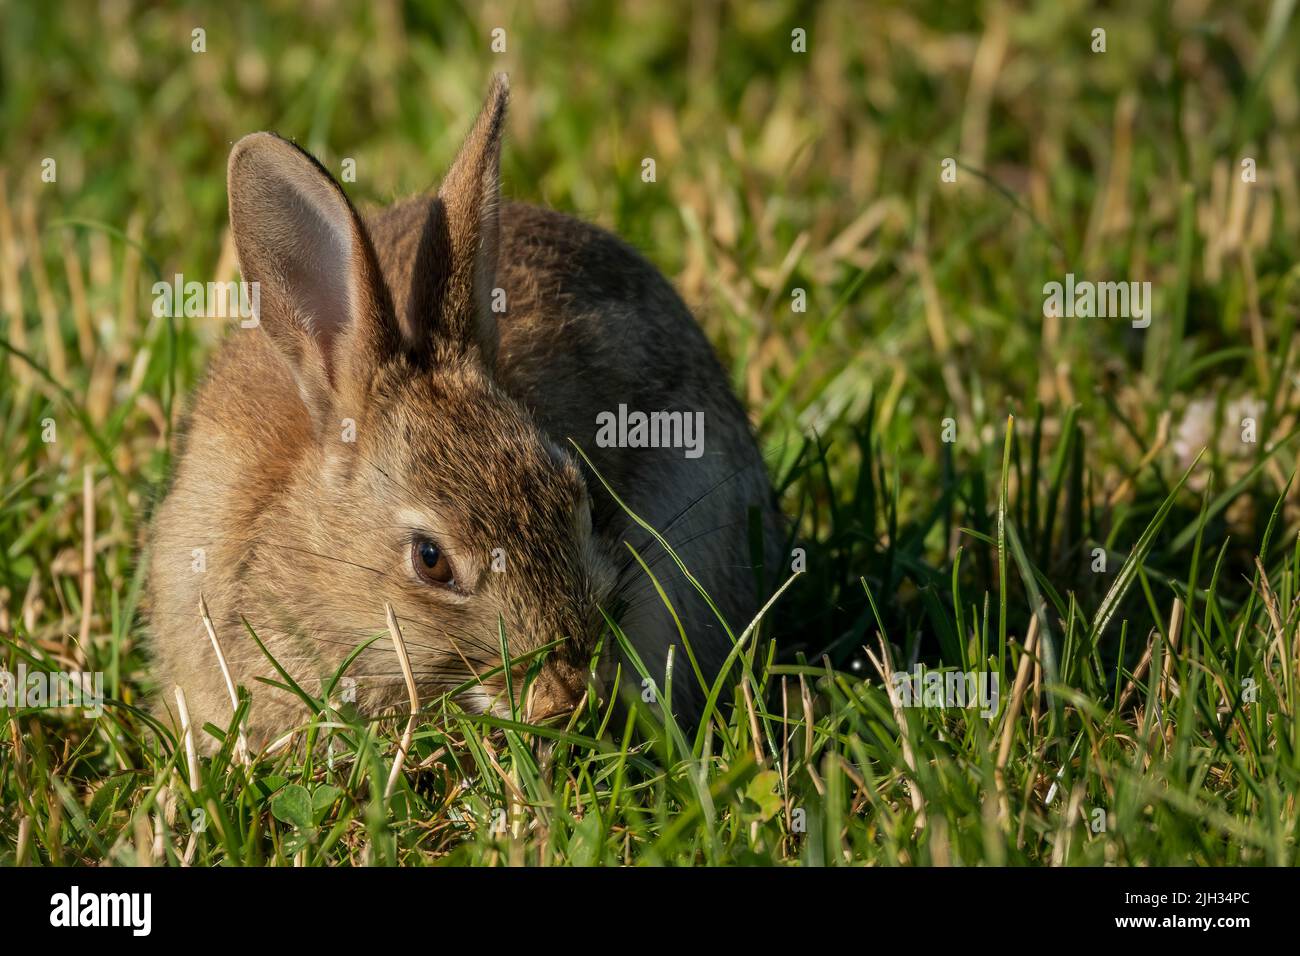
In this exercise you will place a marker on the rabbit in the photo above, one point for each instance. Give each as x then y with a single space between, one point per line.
402 427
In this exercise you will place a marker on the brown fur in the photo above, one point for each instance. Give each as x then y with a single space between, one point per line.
463 419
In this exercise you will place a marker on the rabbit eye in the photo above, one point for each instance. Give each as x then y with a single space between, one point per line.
429 562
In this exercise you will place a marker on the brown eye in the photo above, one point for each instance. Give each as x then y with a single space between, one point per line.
429 562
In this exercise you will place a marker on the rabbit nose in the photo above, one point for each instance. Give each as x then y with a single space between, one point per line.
557 692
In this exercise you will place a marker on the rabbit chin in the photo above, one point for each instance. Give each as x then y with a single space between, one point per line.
554 694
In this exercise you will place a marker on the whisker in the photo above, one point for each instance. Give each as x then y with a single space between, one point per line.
681 514
660 558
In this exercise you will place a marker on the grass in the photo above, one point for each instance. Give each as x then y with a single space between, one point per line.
1071 505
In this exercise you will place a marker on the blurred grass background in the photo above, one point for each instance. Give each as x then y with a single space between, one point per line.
777 171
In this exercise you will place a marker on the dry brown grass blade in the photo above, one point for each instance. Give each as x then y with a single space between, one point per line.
11 296
241 744
142 837
1036 696
1255 321
1009 721
128 324
55 354
24 840
404 660
805 697
884 665
187 734
754 730
1278 645
76 280
1175 631
1139 672
87 559
989 57
785 750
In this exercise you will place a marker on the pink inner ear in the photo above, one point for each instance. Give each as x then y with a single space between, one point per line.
300 240
316 264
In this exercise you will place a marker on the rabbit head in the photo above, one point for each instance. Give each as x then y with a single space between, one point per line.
419 482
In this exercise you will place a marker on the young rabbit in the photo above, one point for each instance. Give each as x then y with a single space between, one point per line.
399 429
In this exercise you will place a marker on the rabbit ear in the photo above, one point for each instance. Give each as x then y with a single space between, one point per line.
471 197
319 289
